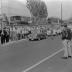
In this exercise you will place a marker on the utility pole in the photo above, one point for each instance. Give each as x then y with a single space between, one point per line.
1 17
61 13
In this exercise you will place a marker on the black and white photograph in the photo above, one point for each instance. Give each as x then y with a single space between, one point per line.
35 35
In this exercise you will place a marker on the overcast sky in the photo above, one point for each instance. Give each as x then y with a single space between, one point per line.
18 7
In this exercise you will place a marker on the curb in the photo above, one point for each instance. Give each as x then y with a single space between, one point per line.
11 42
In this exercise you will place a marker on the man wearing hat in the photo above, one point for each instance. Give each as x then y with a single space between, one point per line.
66 37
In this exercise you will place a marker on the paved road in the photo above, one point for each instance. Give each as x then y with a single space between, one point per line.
55 64
17 57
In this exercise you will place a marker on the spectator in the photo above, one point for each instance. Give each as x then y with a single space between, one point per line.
18 34
66 37
2 38
7 36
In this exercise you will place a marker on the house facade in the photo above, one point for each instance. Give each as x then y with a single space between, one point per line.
19 20
53 20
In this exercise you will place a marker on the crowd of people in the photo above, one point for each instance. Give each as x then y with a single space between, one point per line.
15 33
5 36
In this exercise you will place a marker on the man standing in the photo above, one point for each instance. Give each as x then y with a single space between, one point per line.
7 35
2 37
66 37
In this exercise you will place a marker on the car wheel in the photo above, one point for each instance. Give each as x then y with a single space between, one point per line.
39 39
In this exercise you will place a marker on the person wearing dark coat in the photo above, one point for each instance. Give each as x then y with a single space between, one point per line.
6 35
2 38
66 38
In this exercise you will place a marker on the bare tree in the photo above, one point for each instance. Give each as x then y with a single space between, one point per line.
38 9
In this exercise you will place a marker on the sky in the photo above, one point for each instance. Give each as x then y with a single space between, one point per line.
18 7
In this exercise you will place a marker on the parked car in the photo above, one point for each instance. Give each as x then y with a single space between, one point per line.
49 32
42 36
32 37
37 37
54 32
26 34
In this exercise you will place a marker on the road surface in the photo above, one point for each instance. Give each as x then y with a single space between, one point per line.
20 56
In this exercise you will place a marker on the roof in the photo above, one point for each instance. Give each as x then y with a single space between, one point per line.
13 7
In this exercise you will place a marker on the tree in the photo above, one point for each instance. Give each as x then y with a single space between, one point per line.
37 8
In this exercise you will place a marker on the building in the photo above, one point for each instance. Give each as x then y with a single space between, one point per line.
53 20
69 21
20 20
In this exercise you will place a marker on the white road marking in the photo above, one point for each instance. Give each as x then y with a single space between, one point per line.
38 63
